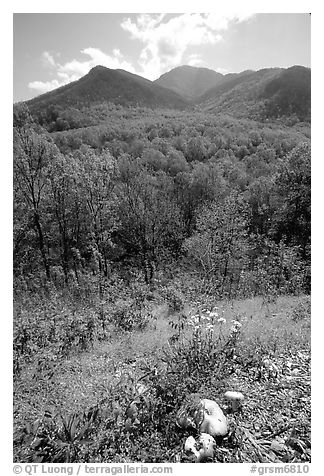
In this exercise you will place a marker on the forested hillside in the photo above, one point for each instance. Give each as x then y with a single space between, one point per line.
265 95
100 86
170 178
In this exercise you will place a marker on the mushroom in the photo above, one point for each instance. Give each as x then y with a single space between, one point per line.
235 398
203 415
214 421
203 449
190 445
208 444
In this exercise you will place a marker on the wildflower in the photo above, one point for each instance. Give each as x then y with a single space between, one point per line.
235 327
213 314
194 320
221 320
236 324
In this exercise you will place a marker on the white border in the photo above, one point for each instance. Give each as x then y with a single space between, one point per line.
121 6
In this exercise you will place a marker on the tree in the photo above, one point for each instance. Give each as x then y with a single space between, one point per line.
149 219
219 246
196 149
154 159
21 116
292 220
96 183
66 207
176 163
33 155
260 196
196 187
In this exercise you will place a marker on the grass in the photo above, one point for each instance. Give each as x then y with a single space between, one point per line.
276 408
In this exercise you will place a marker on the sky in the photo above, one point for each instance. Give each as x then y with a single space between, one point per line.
50 50
53 49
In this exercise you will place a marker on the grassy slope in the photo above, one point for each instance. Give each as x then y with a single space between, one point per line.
277 406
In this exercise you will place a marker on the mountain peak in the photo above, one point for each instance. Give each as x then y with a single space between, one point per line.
98 69
189 81
102 84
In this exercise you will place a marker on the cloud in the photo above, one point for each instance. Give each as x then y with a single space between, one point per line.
195 59
45 86
48 59
74 69
222 70
166 43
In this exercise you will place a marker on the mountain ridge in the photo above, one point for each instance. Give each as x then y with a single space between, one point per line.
266 93
258 95
118 86
189 81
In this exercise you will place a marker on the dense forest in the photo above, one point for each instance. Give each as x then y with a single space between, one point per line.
145 191
145 200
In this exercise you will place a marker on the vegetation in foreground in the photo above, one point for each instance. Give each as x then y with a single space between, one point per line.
112 395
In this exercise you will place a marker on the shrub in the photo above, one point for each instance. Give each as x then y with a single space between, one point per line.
302 310
174 298
53 327
128 315
206 354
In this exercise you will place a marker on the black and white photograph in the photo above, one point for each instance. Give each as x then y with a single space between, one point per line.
161 241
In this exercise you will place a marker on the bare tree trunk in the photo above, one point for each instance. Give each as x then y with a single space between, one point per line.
41 245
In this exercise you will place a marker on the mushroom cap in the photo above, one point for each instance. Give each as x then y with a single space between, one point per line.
190 444
211 407
201 449
234 396
207 444
214 422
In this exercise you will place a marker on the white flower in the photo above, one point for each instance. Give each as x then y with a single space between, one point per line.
213 314
194 319
236 324
235 327
221 320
